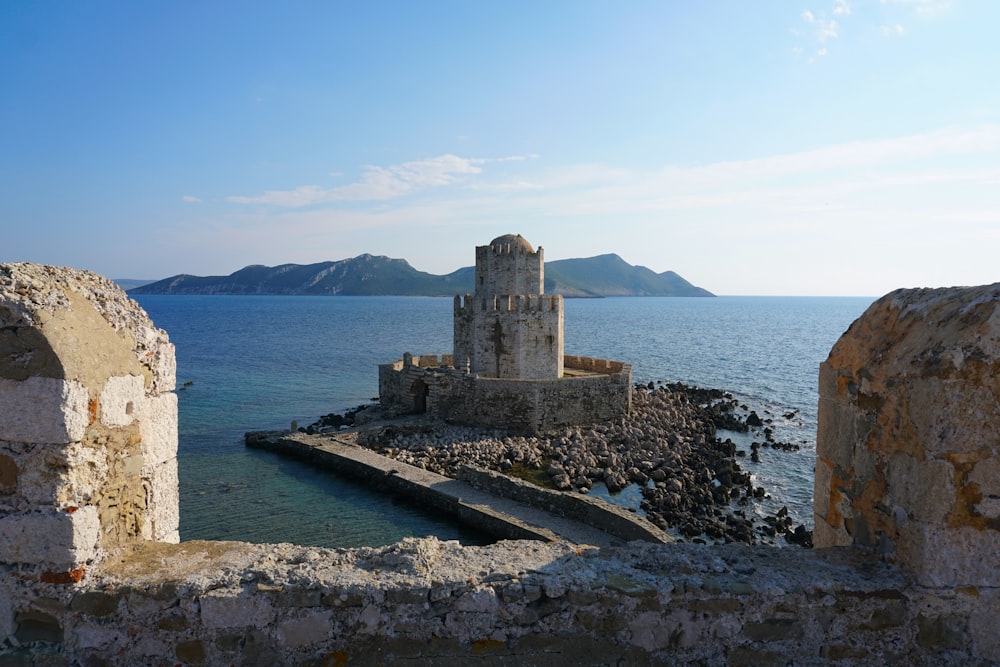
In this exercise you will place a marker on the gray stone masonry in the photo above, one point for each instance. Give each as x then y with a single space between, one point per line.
88 422
508 368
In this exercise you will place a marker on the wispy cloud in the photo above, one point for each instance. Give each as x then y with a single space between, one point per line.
191 199
594 190
904 190
923 6
603 188
819 27
381 183
820 30
824 29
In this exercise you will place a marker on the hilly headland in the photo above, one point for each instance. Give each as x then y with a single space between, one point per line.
375 275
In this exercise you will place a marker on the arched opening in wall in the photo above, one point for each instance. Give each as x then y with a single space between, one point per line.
420 390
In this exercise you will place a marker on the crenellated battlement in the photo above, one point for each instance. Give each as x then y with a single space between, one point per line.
604 366
423 361
509 248
521 303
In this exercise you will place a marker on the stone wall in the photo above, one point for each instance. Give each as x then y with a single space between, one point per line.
72 346
517 602
510 336
909 435
508 265
88 423
608 517
509 328
523 405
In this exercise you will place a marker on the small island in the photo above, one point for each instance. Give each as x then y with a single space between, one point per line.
508 401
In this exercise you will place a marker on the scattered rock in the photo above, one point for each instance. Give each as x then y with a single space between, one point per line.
690 480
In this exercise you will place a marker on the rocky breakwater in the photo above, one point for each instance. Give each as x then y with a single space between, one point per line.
667 450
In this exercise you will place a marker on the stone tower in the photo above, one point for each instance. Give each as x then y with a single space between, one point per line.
510 328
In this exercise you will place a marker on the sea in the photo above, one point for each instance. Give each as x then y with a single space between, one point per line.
248 363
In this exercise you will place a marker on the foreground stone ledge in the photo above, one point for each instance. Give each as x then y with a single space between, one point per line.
526 602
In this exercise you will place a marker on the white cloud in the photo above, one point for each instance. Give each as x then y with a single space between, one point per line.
820 29
191 199
894 30
925 196
925 7
381 183
823 28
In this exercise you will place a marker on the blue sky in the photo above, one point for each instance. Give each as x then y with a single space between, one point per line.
815 147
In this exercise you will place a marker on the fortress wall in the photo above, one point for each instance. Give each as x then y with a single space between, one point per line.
509 269
532 343
530 331
515 602
906 466
909 435
393 390
526 405
606 366
88 423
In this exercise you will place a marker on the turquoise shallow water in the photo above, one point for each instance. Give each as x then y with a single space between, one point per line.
258 362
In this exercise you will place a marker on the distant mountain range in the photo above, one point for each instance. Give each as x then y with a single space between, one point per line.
371 275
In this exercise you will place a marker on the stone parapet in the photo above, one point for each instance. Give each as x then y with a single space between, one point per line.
516 404
516 602
88 422
908 448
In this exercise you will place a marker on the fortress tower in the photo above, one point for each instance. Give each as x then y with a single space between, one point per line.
508 368
510 328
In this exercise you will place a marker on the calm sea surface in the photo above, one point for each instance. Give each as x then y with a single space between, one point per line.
253 363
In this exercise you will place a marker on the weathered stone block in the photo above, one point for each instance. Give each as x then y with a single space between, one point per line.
923 489
305 631
36 626
952 415
43 410
986 476
892 615
940 633
8 475
120 400
95 603
158 429
59 541
984 623
229 610
774 629
161 521
191 652
941 556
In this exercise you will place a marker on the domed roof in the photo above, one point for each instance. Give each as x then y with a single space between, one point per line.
515 240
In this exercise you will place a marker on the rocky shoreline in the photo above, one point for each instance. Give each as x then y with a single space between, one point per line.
691 482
